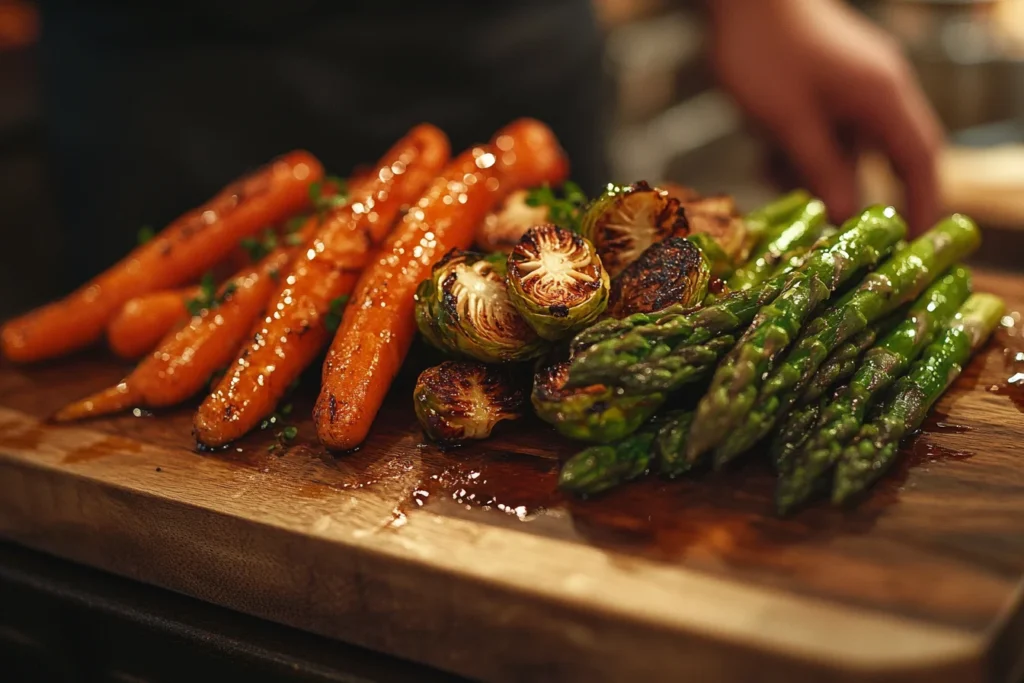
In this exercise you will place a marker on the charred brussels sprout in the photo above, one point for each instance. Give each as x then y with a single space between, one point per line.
716 217
460 400
465 308
502 228
624 220
674 271
556 281
596 413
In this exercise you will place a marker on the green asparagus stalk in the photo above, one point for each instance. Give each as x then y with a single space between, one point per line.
842 363
760 221
882 365
605 351
611 328
738 379
670 445
898 281
685 365
791 436
599 468
801 232
876 445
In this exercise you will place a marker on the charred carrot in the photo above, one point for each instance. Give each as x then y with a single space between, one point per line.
184 361
293 330
378 326
142 322
179 254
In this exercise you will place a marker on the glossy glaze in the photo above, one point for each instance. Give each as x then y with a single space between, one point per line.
142 322
186 248
378 326
293 331
186 359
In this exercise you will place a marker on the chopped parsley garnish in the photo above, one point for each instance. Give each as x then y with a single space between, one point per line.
208 296
323 202
146 234
258 247
295 224
564 211
333 317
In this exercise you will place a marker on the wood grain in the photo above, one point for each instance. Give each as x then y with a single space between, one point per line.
471 561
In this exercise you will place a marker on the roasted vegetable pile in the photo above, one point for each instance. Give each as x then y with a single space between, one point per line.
673 333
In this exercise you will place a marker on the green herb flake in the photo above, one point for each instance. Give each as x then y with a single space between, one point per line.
206 297
333 318
295 224
146 234
289 432
564 211
323 203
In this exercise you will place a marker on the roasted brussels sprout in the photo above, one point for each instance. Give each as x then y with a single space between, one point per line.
674 271
596 413
465 308
556 281
503 227
459 400
717 217
624 220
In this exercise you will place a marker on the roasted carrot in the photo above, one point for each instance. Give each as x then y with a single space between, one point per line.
186 359
293 331
142 322
178 255
378 326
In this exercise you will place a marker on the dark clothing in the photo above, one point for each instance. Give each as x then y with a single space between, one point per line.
153 106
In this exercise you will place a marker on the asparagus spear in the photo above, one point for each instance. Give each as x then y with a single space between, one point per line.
842 363
603 352
800 232
599 468
876 445
882 365
760 221
793 434
898 281
670 444
738 378
685 365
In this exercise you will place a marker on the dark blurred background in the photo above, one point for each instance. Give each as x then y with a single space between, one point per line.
668 121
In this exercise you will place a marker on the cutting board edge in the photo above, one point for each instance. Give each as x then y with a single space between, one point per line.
969 656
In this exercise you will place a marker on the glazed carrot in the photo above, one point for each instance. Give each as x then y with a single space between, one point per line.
142 322
293 331
378 326
179 254
186 358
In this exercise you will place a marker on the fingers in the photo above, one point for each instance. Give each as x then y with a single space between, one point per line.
900 118
807 135
913 139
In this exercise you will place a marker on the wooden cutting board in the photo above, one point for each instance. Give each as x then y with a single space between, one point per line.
470 561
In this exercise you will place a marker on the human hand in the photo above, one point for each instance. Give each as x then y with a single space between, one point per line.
813 71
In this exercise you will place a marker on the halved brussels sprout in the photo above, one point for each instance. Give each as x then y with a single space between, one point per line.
680 192
503 227
596 413
459 400
556 281
717 217
466 309
674 271
623 221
